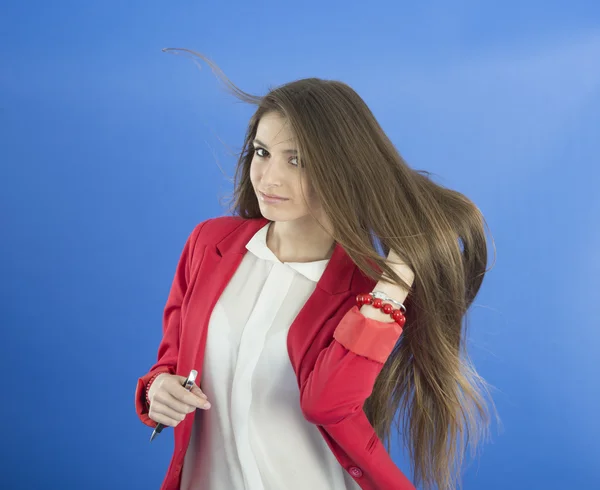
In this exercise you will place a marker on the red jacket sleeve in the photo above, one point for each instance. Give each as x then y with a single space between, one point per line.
345 372
168 349
334 392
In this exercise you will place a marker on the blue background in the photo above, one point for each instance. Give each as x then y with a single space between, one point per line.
111 151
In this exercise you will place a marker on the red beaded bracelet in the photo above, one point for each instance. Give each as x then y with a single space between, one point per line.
156 375
388 309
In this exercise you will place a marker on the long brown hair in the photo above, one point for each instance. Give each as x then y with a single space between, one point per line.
372 197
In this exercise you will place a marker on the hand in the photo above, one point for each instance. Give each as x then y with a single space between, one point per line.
170 402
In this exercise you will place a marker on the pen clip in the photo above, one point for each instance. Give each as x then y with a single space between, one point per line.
191 379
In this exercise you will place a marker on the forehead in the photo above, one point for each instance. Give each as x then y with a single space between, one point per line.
273 129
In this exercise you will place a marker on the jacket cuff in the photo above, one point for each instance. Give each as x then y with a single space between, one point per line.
141 404
367 337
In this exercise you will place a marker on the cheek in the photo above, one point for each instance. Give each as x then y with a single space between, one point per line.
254 175
311 197
308 191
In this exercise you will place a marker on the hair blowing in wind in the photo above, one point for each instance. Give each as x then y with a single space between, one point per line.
371 196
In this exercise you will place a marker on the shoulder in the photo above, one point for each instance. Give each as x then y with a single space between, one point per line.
218 225
214 230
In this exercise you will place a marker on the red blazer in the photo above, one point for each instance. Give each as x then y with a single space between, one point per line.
335 351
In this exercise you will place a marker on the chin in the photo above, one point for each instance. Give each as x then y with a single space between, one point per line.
278 214
273 215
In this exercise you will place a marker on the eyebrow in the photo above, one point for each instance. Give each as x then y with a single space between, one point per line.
259 142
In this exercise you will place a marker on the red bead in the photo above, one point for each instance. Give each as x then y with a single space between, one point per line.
399 317
377 303
387 308
368 299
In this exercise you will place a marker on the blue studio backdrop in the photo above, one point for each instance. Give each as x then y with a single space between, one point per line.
111 151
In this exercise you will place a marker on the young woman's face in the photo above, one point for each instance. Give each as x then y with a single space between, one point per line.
275 174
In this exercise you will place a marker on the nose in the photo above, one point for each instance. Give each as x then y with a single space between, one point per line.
272 174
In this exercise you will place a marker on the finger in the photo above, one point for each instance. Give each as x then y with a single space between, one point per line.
163 419
170 413
168 400
198 392
194 400
184 396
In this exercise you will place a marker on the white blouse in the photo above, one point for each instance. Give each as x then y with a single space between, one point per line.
254 436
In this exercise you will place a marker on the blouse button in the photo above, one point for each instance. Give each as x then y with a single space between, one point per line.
355 472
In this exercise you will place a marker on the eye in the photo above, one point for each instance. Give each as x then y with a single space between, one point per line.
261 152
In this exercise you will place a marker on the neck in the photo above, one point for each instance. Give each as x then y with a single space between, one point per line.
299 241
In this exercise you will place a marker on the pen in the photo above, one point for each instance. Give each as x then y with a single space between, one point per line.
187 384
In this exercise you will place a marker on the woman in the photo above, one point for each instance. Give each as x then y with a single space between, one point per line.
302 368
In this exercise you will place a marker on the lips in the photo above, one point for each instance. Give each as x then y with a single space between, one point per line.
272 196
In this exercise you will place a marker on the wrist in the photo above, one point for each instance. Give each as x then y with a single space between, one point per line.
380 307
403 271
149 386
394 291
